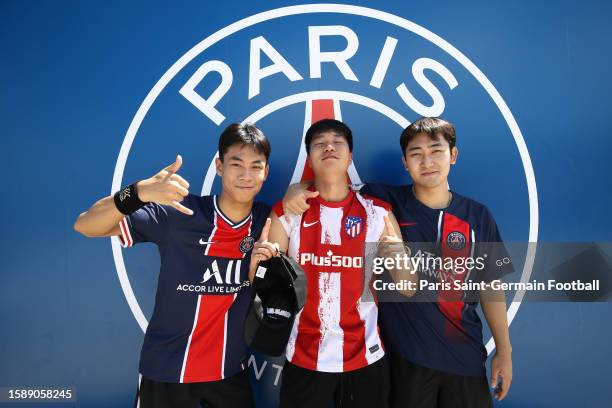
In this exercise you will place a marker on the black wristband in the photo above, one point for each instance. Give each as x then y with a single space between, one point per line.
127 201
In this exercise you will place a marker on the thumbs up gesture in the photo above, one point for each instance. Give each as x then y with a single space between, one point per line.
262 250
166 187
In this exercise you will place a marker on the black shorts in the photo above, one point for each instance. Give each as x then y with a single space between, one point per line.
414 386
232 392
366 387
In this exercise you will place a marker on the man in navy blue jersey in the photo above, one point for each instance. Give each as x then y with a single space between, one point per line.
194 350
436 346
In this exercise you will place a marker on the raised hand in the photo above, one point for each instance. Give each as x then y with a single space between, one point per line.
296 198
166 187
262 250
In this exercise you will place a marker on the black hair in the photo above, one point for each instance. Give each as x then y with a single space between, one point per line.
245 134
326 125
433 127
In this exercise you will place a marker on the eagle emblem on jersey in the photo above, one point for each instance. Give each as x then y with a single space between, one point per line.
247 244
352 226
455 240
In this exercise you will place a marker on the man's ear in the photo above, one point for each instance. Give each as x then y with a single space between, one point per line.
454 155
404 162
219 167
266 171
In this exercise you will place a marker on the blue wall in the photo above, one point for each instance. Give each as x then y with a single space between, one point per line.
75 73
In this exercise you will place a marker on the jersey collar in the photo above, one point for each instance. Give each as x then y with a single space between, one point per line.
227 219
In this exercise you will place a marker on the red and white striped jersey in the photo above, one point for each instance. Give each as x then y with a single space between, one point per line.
337 330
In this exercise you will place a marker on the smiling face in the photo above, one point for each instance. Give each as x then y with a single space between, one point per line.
428 160
329 153
242 171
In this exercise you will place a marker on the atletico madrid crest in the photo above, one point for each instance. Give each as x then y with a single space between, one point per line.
352 226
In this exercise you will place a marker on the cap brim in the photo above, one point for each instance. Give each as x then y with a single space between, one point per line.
266 337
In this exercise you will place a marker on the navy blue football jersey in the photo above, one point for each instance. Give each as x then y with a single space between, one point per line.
203 294
442 332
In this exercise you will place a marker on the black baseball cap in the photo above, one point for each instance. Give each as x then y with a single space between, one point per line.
280 292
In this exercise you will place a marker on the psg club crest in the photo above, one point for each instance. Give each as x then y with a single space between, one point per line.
287 68
455 240
247 244
352 226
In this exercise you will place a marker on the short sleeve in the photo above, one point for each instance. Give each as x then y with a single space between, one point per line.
498 262
288 221
376 211
148 224
376 228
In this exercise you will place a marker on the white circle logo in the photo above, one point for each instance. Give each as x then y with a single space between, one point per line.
343 63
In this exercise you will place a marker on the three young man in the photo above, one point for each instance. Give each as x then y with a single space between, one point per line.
194 350
436 349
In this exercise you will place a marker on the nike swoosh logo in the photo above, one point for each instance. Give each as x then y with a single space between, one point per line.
306 225
407 224
202 242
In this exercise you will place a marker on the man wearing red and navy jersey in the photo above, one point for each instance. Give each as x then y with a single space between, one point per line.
437 355
194 350
335 354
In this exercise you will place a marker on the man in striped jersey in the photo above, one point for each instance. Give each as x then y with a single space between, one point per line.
194 351
335 353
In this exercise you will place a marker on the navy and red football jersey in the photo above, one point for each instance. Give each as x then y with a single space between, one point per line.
440 334
203 294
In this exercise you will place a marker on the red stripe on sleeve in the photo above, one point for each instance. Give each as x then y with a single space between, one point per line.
125 236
